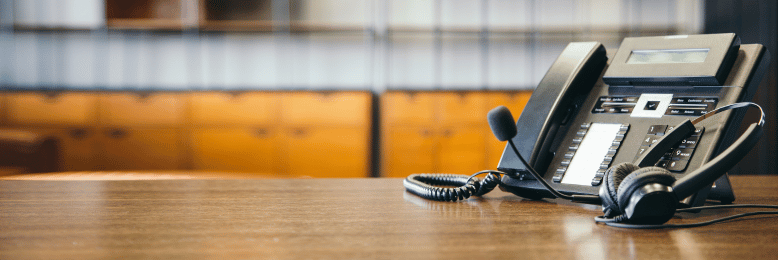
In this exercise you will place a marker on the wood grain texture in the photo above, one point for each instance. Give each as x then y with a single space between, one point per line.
344 219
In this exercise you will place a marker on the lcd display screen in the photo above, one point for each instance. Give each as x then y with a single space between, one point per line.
667 56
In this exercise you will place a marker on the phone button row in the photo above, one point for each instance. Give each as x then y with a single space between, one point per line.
612 150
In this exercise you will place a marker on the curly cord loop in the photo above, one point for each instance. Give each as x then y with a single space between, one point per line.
427 185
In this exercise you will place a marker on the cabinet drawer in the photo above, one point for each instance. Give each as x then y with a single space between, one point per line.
462 151
408 150
326 109
235 149
218 108
64 109
76 146
132 109
327 152
466 108
408 108
139 149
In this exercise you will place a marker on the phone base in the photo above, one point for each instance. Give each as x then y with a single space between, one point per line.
529 188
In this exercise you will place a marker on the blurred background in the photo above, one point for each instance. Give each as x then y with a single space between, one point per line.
319 88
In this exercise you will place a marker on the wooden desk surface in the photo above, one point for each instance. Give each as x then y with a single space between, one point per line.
344 218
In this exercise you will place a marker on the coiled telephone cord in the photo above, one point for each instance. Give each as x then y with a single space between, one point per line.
428 185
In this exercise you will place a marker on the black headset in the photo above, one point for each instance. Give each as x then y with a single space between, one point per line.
639 193
633 195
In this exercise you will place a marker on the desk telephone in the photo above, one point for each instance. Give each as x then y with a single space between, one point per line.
629 133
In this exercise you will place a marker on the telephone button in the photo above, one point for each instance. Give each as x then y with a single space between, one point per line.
569 155
624 127
586 125
689 142
683 153
581 133
677 166
651 105
557 178
600 173
573 148
577 140
565 163
694 100
649 140
657 130
608 158
596 181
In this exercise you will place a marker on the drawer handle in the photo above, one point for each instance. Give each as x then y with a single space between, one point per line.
261 132
116 133
79 133
299 132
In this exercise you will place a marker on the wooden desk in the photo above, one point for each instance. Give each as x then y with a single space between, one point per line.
345 219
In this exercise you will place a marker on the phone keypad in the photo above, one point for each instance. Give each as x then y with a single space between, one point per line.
677 158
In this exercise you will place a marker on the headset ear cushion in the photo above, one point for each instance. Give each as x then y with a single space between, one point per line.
639 178
613 178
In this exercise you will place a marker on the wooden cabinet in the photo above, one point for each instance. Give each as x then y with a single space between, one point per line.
327 152
212 109
141 131
444 132
326 109
317 134
77 146
326 134
235 149
51 109
142 109
407 150
235 132
68 116
462 150
140 149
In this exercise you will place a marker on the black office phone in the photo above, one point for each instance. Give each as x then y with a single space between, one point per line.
589 113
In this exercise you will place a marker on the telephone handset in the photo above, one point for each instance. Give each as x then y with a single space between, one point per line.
586 116
555 100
